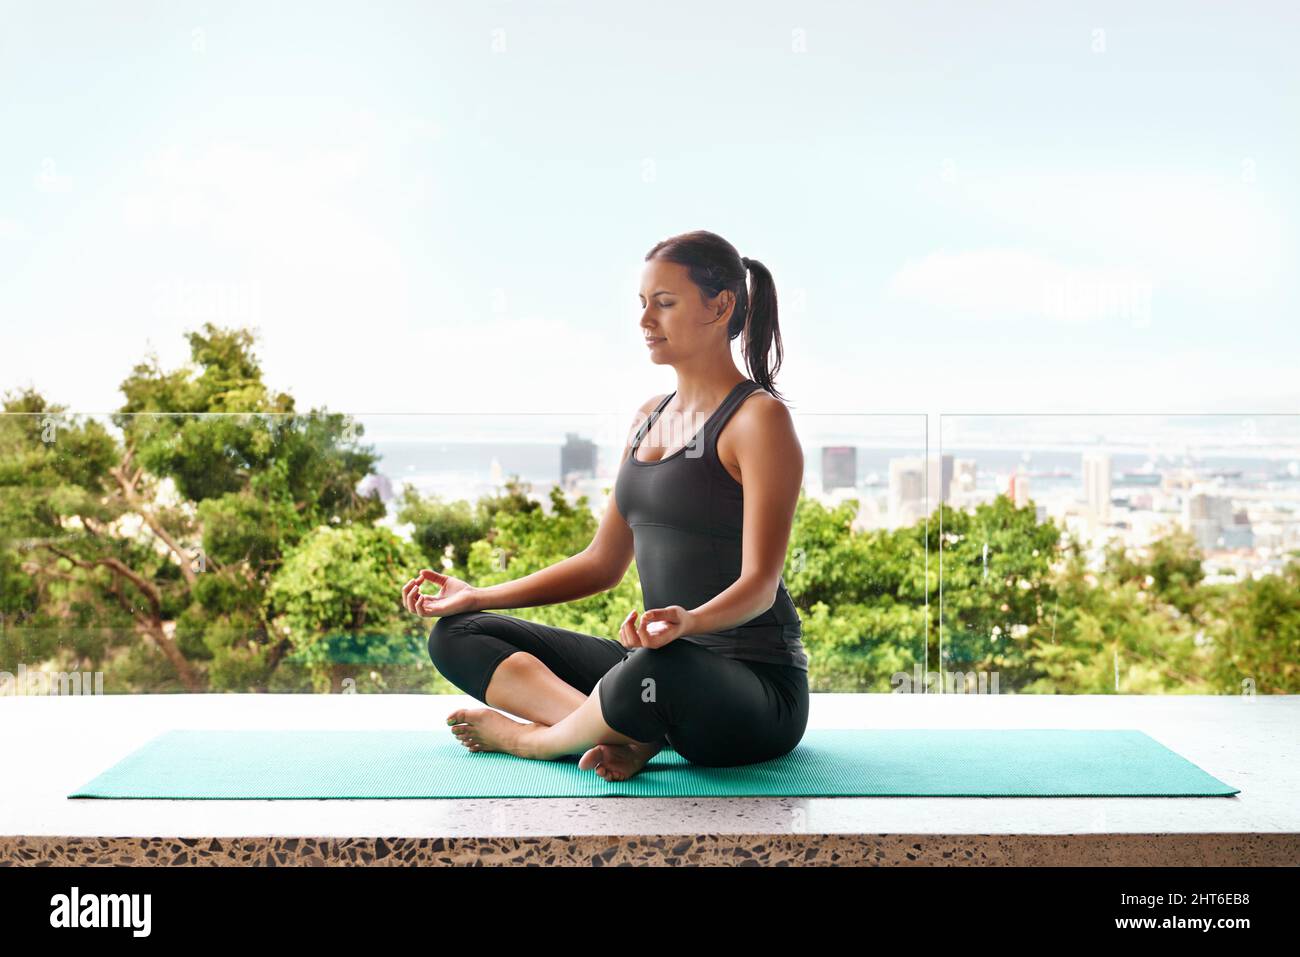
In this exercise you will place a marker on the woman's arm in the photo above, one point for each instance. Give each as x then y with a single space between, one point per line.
771 463
568 580
597 568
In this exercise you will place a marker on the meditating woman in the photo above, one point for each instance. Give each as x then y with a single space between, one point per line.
715 667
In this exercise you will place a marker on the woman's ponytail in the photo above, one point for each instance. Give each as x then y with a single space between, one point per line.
762 333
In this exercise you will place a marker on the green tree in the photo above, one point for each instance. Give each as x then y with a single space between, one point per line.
336 599
172 531
998 592
525 538
1256 640
447 530
860 594
1172 569
1116 632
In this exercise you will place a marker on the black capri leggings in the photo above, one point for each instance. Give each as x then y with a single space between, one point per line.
712 710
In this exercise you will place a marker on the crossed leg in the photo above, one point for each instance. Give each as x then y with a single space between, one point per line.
538 672
713 710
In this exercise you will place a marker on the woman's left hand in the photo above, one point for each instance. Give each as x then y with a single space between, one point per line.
657 627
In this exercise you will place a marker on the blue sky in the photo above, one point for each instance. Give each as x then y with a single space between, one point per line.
968 208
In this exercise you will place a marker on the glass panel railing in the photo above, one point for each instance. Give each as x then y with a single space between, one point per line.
860 569
1127 554
159 552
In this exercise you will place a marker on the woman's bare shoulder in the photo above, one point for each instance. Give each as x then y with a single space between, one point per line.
763 408
760 419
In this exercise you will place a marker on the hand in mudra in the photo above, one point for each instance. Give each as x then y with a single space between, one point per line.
656 627
453 596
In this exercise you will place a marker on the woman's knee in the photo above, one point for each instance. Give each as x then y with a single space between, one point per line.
643 671
447 632
648 683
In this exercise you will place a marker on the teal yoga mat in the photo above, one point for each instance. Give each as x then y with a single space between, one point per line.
251 765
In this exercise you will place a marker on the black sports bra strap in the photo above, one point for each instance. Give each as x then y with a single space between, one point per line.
650 420
715 422
743 390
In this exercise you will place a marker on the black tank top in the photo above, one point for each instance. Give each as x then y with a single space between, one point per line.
686 513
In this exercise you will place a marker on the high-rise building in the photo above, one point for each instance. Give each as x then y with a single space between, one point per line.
577 459
1018 488
965 472
940 475
1096 487
906 491
1213 522
839 467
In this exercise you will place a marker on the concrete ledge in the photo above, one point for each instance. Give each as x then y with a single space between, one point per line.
52 745
706 850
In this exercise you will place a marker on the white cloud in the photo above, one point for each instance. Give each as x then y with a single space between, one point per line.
1005 283
284 239
1215 234
287 207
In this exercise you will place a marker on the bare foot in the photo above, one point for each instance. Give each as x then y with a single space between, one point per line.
618 762
483 729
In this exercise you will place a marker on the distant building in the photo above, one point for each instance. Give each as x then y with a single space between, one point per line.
1211 520
965 473
577 459
1239 534
1018 488
1096 488
906 491
940 473
839 467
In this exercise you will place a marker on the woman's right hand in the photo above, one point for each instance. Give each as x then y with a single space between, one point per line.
629 634
454 595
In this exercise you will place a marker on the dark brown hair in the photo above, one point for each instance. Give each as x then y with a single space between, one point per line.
715 265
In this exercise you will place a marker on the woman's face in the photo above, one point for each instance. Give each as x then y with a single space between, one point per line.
675 319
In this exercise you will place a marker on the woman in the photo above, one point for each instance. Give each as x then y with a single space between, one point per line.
715 668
